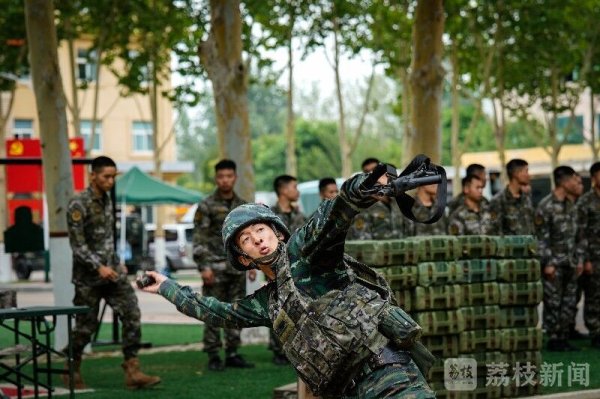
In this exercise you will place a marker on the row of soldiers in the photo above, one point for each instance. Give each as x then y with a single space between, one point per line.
566 223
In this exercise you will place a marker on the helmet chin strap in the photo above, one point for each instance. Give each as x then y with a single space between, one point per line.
267 259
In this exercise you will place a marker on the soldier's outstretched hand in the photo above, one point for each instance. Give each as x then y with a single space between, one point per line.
158 280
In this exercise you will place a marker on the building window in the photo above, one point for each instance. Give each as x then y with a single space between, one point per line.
571 131
86 65
23 128
142 136
86 133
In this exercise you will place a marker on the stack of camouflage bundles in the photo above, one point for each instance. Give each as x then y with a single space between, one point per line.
474 296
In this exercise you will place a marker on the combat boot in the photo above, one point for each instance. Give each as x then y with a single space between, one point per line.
555 345
237 361
77 380
596 342
215 363
134 378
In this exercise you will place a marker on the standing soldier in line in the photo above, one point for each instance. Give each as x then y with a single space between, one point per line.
588 252
220 279
556 228
472 216
473 169
98 275
328 188
424 207
286 189
583 278
511 209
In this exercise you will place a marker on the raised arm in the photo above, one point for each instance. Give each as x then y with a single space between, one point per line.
323 236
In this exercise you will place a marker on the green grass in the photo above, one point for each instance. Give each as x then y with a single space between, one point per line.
587 354
156 334
185 375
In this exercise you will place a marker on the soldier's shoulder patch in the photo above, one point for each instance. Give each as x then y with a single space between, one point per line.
539 220
493 215
359 223
76 215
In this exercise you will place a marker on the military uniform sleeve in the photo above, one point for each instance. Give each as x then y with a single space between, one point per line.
581 242
495 223
542 228
200 237
322 237
250 311
82 253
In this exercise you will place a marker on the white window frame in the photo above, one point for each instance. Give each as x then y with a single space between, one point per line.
84 58
85 129
145 134
23 133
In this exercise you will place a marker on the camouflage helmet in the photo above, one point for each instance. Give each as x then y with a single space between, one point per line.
244 216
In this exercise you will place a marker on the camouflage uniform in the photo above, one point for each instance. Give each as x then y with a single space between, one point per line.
588 249
555 227
465 222
460 200
423 212
293 220
313 264
380 222
90 220
230 284
510 215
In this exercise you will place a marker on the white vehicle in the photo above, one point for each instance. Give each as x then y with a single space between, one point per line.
178 241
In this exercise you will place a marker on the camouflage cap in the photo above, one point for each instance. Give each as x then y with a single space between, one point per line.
243 216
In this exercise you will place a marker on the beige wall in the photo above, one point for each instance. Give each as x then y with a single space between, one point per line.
117 113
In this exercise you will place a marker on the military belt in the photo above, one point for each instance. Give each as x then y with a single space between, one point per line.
388 354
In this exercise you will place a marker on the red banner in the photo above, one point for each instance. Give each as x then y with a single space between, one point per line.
29 178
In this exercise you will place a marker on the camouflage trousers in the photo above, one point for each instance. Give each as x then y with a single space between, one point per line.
393 381
122 299
591 306
228 287
559 302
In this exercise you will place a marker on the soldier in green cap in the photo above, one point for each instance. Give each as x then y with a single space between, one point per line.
336 318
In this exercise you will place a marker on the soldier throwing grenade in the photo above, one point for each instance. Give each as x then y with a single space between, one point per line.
334 316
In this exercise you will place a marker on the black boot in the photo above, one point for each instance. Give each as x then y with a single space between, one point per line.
596 342
237 361
215 363
555 345
575 335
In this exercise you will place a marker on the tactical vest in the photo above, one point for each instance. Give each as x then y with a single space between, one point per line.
328 339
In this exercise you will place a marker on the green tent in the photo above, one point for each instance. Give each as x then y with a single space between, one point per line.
138 188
